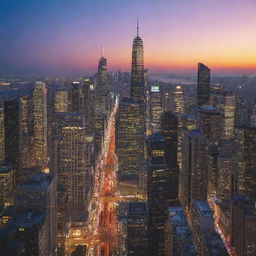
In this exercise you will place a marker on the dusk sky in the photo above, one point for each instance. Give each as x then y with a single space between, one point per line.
65 36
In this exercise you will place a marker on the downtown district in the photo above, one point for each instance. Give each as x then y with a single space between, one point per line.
121 164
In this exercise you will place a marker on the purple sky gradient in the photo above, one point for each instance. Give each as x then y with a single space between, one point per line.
65 36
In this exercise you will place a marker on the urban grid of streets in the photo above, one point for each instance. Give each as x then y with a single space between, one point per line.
100 234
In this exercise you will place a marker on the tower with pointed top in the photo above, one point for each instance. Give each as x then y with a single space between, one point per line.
131 130
137 81
102 87
101 101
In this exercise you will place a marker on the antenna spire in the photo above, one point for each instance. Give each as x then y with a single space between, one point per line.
137 26
102 51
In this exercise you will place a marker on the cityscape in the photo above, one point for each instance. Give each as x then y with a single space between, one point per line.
115 151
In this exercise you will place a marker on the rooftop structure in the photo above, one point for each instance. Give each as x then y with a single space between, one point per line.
203 208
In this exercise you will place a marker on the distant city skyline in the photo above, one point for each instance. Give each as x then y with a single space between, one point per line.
65 37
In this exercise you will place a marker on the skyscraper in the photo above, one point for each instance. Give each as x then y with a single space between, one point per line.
137 80
75 97
131 125
61 101
38 194
203 84
11 124
193 175
247 152
39 103
179 239
101 93
156 108
88 90
211 123
25 133
72 160
243 226
101 102
179 100
169 128
179 111
227 107
161 195
226 163
2 136
137 229
7 181
130 141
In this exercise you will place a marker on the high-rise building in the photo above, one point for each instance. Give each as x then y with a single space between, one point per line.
101 101
193 176
226 163
169 129
179 100
207 241
243 226
203 84
241 113
39 110
137 229
130 141
131 127
11 124
202 220
25 135
73 163
190 122
76 97
179 110
156 108
2 135
227 107
26 234
161 195
212 171
88 90
211 123
61 101
137 80
38 194
178 235
247 158
212 244
7 183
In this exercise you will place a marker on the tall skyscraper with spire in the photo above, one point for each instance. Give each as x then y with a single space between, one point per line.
131 129
137 82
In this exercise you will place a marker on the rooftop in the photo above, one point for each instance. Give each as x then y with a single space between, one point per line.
177 216
25 220
157 136
203 207
195 133
29 219
38 180
5 168
137 208
208 108
245 204
188 249
215 244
